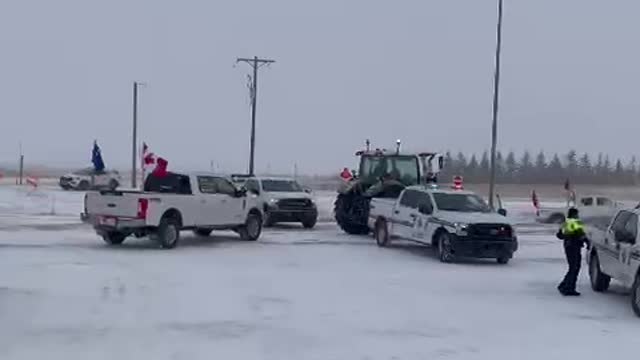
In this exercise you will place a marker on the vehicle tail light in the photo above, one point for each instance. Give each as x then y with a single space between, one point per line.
143 206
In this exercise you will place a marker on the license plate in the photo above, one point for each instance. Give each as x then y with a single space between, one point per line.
108 221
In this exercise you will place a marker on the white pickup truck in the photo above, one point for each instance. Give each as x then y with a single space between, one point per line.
615 253
199 202
456 223
283 200
592 206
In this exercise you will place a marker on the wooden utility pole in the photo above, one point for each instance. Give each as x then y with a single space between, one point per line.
255 63
496 98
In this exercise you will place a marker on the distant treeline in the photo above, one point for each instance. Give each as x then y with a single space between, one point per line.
540 169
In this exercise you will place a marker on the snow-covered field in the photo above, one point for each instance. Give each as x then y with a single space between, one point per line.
294 294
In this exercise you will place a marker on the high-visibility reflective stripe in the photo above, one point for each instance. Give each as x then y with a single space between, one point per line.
572 226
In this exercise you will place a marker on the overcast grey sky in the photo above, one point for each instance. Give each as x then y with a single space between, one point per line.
346 70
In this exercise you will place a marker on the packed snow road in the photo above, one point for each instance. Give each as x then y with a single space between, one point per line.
294 294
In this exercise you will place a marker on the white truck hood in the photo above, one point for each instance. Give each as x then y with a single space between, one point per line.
472 218
287 195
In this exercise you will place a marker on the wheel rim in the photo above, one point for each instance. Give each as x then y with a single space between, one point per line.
253 227
170 235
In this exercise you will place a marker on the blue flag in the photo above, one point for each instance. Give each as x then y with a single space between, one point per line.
96 158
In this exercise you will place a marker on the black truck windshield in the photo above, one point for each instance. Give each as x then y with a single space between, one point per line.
460 202
281 186
403 168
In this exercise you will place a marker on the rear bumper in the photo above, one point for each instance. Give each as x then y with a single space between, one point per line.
467 246
111 223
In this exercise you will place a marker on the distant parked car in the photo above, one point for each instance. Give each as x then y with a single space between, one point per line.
88 179
591 206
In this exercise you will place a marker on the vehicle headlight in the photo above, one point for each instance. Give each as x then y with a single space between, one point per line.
461 229
273 202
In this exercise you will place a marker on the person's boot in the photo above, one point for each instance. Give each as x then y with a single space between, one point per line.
571 293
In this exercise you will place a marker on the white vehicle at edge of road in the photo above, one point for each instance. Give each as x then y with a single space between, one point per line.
588 206
200 202
456 223
615 254
283 200
87 179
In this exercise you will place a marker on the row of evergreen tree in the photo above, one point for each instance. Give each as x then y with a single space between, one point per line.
540 169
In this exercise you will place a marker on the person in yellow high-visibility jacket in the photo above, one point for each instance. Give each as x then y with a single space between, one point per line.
573 234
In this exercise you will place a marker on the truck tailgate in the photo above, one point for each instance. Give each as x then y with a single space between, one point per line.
116 204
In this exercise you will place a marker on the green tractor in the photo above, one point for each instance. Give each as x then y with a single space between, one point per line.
385 174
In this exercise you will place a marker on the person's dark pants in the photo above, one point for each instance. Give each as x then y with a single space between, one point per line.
574 260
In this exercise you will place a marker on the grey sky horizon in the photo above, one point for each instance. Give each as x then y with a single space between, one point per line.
345 70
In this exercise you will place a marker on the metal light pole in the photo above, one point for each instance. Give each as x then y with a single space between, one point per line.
496 97
134 140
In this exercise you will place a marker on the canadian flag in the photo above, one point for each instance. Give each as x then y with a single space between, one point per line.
148 158
33 181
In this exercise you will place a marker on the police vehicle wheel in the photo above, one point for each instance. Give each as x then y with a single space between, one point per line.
382 233
599 280
635 296
445 254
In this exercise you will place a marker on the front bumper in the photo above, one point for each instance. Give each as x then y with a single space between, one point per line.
284 215
483 248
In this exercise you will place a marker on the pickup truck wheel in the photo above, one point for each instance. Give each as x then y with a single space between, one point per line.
84 185
635 295
203 232
268 220
599 280
114 237
382 233
445 254
168 233
252 228
503 260
309 222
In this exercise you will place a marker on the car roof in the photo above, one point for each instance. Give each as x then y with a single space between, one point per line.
275 178
438 190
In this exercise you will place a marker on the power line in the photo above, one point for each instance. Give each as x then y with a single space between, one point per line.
255 63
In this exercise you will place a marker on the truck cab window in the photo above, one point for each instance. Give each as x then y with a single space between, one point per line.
603 201
410 199
207 184
587 201
224 187
632 226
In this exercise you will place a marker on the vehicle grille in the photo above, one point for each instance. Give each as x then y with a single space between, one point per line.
294 204
490 230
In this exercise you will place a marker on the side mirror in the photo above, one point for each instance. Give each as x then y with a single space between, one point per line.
241 192
307 190
502 212
255 191
424 209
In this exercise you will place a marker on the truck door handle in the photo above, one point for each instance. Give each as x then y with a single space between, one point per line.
396 211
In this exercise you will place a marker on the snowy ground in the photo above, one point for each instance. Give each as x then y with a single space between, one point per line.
294 294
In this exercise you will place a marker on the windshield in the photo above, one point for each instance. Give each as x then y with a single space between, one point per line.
402 168
460 202
281 186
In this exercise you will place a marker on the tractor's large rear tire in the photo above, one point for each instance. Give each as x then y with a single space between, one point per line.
352 213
